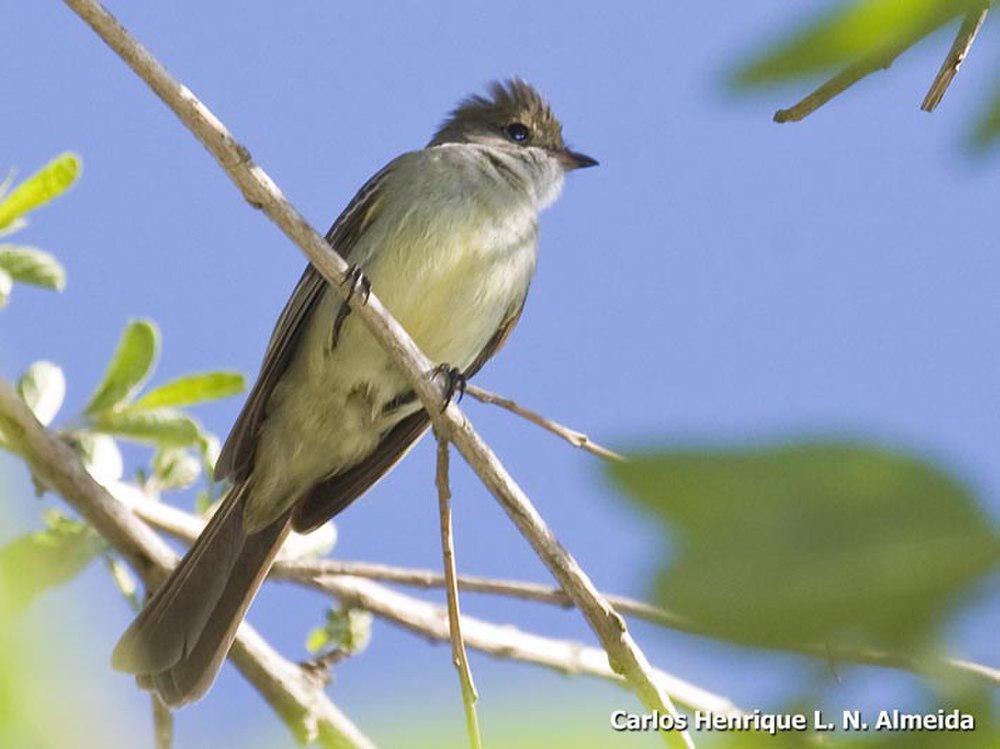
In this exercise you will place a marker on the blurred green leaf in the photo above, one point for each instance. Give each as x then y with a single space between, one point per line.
164 427
129 367
349 630
987 130
190 389
175 468
33 266
6 285
50 181
32 564
814 543
42 387
851 31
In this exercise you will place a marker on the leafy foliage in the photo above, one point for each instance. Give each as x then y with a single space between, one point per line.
809 544
848 32
32 266
130 365
191 389
40 188
27 264
858 32
154 418
347 630
34 563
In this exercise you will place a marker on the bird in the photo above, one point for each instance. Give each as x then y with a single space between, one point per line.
447 237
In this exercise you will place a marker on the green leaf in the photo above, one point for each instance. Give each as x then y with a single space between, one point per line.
862 29
175 468
32 564
29 265
812 543
164 427
51 180
197 388
130 365
349 630
43 388
6 285
988 128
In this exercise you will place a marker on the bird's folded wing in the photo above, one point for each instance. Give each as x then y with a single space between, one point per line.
236 459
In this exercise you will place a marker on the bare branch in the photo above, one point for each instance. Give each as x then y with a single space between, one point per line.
311 572
967 32
163 724
575 438
460 658
499 640
840 83
307 571
261 192
507 642
303 706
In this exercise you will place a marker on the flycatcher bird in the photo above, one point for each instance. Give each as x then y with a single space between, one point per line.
447 236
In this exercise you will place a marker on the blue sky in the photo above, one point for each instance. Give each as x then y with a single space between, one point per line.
718 277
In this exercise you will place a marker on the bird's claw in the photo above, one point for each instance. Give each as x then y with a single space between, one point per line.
454 382
357 283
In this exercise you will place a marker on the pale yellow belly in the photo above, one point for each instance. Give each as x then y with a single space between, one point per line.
327 412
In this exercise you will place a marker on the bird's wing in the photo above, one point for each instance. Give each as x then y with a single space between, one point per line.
236 459
331 495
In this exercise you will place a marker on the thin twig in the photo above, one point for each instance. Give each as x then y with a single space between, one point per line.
575 438
508 642
261 192
311 571
502 641
967 32
305 708
163 724
840 83
460 658
305 571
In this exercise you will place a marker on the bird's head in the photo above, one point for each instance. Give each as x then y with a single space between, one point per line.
514 115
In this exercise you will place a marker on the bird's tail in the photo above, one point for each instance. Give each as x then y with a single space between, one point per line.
177 643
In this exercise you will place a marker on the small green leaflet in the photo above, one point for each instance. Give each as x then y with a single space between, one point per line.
129 367
163 427
47 183
191 389
32 564
32 266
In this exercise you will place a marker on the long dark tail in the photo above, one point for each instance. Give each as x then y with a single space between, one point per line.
178 641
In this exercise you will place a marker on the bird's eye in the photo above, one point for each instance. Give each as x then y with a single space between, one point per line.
518 132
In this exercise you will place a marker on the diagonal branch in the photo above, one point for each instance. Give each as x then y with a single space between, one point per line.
461 659
575 438
839 83
260 191
300 702
967 32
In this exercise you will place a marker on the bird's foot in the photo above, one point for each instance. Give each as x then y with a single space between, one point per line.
454 382
357 283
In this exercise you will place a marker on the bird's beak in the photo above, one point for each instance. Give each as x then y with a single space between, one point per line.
571 160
